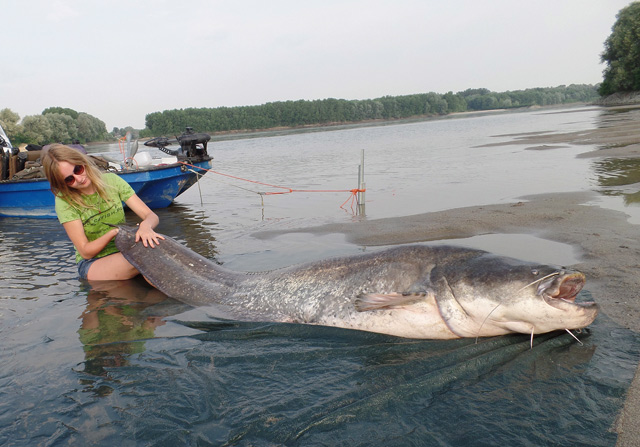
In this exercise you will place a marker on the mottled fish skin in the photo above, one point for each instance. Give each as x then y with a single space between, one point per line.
415 291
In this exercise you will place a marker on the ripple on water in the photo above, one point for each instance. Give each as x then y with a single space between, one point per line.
36 259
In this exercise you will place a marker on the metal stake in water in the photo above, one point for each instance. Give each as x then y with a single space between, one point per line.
361 184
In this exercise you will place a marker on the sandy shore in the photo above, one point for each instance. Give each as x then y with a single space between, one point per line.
609 244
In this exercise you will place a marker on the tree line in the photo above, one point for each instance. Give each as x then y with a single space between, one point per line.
337 111
57 124
54 125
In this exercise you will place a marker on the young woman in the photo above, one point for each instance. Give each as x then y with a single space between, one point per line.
86 200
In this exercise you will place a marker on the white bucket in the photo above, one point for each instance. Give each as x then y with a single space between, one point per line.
143 159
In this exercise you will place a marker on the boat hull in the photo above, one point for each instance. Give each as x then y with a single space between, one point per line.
157 186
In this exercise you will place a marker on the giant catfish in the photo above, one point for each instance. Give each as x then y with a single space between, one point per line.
414 291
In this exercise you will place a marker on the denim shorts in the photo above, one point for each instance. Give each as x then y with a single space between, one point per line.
83 267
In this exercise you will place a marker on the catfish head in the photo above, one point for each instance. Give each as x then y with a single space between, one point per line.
492 295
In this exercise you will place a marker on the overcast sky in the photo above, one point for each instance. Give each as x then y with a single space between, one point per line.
121 59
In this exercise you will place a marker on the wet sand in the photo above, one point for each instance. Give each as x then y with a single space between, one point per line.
609 244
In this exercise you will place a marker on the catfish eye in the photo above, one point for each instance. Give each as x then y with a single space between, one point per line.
535 272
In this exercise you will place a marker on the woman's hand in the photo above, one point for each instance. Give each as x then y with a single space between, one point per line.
150 220
147 235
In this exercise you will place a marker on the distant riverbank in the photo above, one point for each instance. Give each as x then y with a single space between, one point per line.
279 131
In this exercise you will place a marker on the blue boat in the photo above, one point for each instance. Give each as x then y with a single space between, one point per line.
157 185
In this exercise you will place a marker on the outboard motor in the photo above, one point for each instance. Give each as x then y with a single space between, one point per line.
192 145
162 143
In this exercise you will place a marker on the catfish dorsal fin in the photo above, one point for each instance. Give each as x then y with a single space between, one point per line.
376 301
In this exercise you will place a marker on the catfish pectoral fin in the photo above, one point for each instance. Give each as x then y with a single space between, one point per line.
376 301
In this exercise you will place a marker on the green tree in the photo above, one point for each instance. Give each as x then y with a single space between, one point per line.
63 128
91 128
65 111
36 129
622 53
455 103
9 121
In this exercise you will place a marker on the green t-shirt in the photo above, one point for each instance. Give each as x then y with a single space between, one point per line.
94 220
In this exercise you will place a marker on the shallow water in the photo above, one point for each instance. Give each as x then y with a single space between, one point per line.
120 364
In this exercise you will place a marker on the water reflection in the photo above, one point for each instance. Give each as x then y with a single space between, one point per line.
114 326
616 173
190 226
619 117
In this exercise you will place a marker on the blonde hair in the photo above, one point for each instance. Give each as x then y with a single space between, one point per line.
51 159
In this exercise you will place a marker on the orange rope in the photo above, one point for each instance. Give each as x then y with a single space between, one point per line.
352 197
121 144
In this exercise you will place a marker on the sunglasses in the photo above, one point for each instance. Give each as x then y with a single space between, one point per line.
77 170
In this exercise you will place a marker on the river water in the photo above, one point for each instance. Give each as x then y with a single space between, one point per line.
121 364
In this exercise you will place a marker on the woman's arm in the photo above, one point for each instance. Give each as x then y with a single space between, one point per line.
149 221
87 249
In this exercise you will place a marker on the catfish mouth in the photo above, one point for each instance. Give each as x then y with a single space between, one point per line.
562 288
